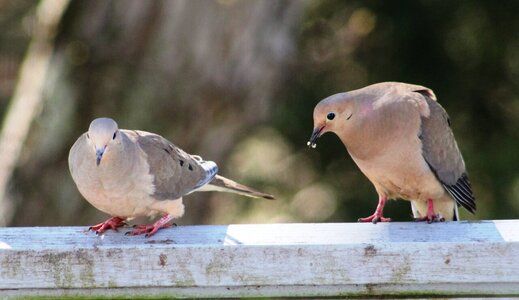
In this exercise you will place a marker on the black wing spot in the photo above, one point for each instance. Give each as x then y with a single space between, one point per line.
190 167
168 151
449 121
181 163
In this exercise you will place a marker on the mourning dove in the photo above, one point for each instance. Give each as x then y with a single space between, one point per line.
401 139
131 173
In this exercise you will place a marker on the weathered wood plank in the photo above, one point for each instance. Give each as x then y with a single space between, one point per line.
452 258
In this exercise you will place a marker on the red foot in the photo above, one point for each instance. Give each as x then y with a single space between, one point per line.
377 215
151 229
375 218
112 223
431 216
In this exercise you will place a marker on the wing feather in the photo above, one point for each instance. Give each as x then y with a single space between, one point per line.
441 152
176 173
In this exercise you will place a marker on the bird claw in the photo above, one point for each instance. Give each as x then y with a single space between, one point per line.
112 223
145 226
148 229
432 218
374 218
377 216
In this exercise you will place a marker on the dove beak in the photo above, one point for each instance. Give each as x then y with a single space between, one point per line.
99 155
315 135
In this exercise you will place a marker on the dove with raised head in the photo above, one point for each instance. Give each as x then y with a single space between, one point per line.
132 173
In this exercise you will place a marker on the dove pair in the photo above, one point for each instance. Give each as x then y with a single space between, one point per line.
397 133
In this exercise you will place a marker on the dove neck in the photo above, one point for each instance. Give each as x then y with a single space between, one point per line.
358 145
117 156
368 133
384 127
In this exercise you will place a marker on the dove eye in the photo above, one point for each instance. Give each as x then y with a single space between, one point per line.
330 116
115 134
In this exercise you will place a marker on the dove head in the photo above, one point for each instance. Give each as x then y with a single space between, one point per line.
333 114
102 133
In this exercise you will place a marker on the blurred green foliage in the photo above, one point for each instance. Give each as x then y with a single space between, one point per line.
236 81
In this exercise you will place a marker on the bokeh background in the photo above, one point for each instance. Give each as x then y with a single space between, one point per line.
236 82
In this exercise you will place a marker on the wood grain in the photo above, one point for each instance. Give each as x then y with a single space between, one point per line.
332 259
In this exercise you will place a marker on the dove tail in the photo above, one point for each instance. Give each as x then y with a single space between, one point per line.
222 184
456 215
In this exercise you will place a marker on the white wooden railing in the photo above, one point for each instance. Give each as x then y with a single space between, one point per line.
271 260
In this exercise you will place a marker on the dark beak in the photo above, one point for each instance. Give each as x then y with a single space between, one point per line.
99 155
315 135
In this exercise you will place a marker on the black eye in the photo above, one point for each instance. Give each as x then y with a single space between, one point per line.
330 116
115 134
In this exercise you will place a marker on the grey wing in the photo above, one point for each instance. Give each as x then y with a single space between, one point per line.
443 156
176 173
77 156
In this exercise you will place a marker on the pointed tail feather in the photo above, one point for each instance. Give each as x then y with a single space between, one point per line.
222 184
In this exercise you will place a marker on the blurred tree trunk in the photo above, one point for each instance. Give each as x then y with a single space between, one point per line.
27 96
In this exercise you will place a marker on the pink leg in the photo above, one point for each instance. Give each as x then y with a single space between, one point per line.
431 216
151 229
112 223
377 215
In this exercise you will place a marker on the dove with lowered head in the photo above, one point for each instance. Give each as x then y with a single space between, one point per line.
400 138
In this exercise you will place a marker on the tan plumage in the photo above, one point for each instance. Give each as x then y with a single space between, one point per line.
401 139
140 174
